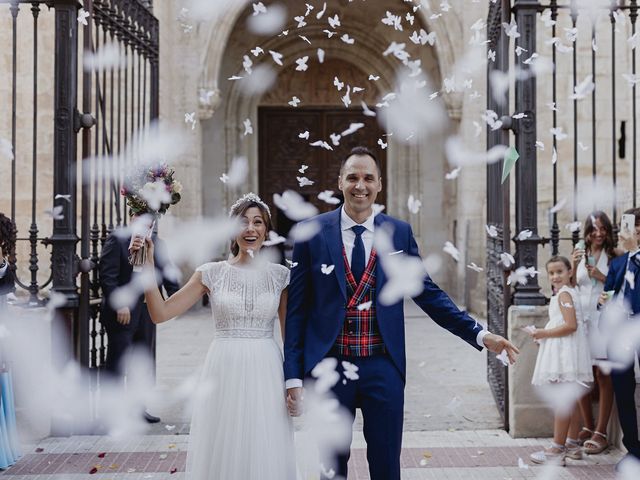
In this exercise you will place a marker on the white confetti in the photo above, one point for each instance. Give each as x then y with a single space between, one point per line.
507 259
334 21
520 274
365 306
55 212
6 149
453 174
451 249
277 57
301 64
350 370
474 267
248 128
327 197
274 239
327 269
524 234
237 172
413 204
304 181
82 16
294 206
294 102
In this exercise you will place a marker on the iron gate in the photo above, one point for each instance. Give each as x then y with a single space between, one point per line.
110 102
592 49
498 299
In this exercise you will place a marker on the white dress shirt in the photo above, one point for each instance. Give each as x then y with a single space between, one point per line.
3 270
348 240
349 236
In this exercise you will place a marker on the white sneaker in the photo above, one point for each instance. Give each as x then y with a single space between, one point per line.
550 456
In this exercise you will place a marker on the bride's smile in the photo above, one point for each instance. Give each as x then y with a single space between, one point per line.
254 231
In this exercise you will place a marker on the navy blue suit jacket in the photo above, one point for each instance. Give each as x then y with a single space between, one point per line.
116 271
615 280
316 305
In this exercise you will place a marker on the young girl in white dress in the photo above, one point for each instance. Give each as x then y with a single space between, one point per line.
563 358
240 428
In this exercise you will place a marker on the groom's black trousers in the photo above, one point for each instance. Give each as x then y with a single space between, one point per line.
379 393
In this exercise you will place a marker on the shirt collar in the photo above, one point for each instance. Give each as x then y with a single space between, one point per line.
346 222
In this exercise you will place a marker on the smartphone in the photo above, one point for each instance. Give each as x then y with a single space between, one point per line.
628 223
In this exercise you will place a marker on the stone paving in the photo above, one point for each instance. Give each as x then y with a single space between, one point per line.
452 426
471 454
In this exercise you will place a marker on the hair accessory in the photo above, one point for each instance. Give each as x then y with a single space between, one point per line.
249 197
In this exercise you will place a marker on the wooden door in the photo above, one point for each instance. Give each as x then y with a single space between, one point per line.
282 152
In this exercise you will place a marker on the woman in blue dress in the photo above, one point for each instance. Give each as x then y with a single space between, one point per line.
9 444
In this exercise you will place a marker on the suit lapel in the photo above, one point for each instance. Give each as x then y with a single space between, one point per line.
333 238
381 278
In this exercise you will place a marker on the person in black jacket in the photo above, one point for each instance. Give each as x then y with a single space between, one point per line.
7 249
127 327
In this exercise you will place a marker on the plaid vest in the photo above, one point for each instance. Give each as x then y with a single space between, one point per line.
360 335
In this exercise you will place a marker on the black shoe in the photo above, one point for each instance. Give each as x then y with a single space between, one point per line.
150 418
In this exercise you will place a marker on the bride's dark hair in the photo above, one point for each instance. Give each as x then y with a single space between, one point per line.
240 210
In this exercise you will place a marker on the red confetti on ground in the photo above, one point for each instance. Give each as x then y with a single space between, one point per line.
39 450
173 470
93 470
101 455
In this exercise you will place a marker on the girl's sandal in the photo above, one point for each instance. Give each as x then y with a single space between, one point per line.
584 435
594 446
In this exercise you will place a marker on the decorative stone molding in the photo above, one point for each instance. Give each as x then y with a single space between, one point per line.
209 99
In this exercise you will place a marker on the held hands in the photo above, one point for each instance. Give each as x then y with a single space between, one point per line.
295 397
496 344
123 316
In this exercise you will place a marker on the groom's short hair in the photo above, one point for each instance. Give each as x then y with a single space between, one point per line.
361 151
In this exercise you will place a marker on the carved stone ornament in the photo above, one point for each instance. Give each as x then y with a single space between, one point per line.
209 100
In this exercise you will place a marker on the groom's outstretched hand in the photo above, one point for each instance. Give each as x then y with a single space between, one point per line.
498 344
294 401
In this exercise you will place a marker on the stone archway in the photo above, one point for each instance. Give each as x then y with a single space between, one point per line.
415 169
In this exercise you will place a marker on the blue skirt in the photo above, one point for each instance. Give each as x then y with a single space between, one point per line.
9 444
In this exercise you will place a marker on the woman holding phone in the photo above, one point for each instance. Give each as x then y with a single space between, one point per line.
591 258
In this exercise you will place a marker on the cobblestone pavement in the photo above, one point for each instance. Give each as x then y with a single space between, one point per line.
452 428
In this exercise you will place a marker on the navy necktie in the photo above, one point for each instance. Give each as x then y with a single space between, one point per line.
357 256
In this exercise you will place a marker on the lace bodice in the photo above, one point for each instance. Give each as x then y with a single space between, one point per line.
244 300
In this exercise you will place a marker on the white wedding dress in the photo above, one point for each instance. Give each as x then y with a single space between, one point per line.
240 429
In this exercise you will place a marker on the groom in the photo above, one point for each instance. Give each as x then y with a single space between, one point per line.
323 318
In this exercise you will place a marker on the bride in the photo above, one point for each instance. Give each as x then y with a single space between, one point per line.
240 428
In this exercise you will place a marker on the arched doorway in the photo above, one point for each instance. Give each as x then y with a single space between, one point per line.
281 151
416 169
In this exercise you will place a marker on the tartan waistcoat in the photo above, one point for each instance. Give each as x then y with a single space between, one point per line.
360 334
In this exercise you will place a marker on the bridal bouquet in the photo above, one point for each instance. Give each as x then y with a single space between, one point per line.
150 191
